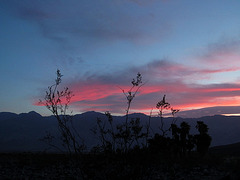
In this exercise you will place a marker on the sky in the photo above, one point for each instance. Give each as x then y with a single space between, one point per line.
187 50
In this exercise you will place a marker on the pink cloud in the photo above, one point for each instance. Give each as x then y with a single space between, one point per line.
180 95
102 92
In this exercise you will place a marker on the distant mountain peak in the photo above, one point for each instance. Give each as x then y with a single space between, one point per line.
137 115
34 113
31 114
91 112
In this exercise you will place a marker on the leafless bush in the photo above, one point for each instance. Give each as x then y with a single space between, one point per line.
58 102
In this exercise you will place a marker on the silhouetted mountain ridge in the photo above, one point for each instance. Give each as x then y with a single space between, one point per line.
7 115
21 132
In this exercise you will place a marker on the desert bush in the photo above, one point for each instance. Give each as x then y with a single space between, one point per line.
57 102
203 139
181 141
125 136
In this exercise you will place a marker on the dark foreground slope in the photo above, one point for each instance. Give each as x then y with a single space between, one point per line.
137 166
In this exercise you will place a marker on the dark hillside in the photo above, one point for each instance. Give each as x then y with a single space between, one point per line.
230 149
22 132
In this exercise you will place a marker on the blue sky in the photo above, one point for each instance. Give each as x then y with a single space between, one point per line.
189 50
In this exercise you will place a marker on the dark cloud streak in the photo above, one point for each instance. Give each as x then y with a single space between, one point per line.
108 22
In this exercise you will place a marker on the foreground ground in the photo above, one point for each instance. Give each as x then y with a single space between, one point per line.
133 166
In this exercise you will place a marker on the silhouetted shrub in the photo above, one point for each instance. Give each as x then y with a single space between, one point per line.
125 136
181 142
203 139
57 102
159 143
126 149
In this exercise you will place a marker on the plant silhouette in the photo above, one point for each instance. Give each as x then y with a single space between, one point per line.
122 137
58 102
127 147
126 136
182 141
203 140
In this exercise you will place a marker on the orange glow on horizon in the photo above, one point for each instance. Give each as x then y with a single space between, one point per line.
230 114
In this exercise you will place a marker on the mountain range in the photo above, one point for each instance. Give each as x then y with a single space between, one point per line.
22 132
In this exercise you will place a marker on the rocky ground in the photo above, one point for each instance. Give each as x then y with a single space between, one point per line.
59 166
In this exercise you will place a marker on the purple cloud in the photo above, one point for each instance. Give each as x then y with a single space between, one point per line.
225 50
63 20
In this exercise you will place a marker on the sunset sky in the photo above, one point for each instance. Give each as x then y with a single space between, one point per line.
188 50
